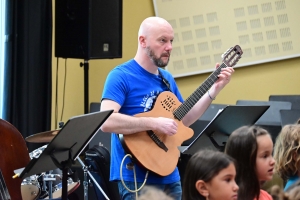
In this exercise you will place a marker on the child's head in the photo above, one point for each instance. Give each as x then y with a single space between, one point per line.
276 192
210 174
293 192
287 151
252 148
152 193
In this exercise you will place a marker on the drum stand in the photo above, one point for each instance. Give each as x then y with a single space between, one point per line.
85 182
49 178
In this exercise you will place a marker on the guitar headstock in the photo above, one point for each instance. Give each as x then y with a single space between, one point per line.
232 56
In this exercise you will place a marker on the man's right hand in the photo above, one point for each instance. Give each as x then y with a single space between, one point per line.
165 126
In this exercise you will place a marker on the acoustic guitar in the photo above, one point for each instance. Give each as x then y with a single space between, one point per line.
159 152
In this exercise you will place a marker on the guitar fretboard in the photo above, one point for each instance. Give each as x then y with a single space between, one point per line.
187 105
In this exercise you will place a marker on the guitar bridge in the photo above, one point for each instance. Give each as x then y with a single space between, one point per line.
157 141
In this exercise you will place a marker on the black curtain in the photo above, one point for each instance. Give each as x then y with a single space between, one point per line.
28 67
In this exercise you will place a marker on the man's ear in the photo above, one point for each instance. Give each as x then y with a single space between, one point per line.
201 187
142 41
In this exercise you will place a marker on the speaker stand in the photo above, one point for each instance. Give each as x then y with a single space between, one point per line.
86 85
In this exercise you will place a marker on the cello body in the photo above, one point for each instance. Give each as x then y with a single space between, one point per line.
13 155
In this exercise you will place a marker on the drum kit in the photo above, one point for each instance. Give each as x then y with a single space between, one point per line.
47 185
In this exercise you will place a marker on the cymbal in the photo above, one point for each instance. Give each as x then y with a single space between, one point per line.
43 137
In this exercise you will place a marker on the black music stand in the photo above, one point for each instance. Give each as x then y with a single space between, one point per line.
203 121
289 116
270 120
66 146
224 123
294 99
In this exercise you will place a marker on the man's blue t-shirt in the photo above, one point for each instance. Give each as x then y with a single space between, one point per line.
135 89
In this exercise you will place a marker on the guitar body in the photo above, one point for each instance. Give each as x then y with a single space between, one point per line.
146 151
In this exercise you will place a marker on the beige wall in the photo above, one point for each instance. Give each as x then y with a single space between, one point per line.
255 82
251 83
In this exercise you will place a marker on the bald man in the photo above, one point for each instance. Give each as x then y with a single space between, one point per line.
132 88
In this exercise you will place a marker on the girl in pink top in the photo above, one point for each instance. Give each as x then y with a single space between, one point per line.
252 148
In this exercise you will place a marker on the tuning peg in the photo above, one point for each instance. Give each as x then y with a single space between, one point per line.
226 52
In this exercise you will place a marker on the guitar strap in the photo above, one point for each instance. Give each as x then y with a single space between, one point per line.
165 81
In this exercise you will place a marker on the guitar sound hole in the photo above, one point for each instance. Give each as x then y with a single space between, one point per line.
168 103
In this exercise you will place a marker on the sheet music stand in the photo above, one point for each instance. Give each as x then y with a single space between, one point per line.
66 146
289 117
225 122
270 120
203 121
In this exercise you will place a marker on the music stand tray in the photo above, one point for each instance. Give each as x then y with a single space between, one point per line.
67 145
225 122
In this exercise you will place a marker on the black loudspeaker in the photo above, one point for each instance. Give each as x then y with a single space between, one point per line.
88 29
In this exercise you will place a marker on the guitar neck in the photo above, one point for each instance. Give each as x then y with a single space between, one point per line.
187 105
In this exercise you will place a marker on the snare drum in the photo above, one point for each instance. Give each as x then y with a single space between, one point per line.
30 188
57 192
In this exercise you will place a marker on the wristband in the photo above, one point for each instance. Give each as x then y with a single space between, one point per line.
210 96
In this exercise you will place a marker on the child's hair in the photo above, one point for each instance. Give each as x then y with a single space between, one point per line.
276 192
203 165
152 193
293 192
242 146
286 145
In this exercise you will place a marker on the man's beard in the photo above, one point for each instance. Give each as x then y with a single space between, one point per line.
157 61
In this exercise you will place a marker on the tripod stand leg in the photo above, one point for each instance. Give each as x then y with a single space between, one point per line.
50 189
64 195
86 185
91 176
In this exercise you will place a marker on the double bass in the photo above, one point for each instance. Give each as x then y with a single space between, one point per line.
13 155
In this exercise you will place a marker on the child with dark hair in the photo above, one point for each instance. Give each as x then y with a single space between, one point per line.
287 154
210 175
252 148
